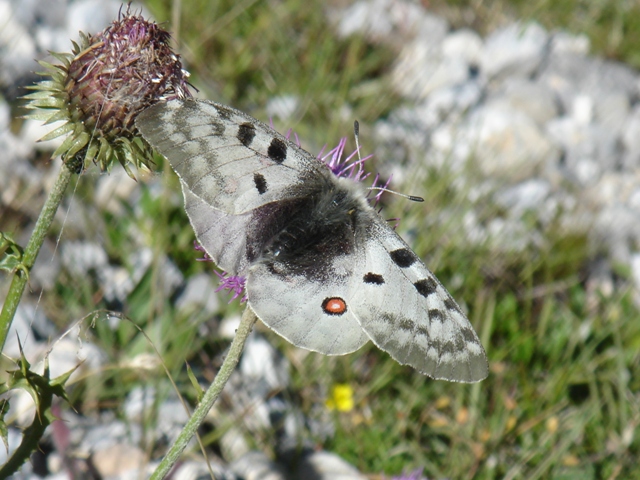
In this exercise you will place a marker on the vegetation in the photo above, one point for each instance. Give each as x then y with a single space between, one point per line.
561 400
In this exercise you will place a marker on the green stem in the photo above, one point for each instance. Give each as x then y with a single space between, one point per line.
20 277
210 396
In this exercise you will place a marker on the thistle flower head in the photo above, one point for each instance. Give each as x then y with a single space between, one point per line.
100 88
233 284
352 167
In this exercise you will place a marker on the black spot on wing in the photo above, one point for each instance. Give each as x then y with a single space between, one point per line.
435 315
261 183
403 257
405 324
246 133
224 112
469 335
374 278
218 128
448 347
422 330
426 286
277 150
451 305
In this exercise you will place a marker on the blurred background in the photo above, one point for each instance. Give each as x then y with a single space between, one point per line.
519 124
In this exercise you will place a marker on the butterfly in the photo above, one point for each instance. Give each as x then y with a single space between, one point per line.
322 268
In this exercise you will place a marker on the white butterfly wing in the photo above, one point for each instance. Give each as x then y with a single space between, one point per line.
291 304
407 312
223 236
230 160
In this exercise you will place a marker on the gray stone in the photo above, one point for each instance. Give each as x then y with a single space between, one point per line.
92 16
282 107
611 111
463 44
257 466
515 50
630 138
14 438
504 142
569 75
199 292
534 99
199 470
114 189
120 461
525 196
422 68
589 149
35 13
17 46
324 465
619 229
387 20
263 367
567 43
81 257
21 332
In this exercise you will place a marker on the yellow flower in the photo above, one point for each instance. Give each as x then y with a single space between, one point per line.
341 398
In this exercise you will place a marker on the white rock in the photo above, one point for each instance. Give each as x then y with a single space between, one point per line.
139 401
515 50
22 409
263 367
92 16
324 465
33 130
80 257
563 42
112 189
120 461
54 39
199 470
228 326
611 111
68 353
282 107
503 141
421 68
387 20
634 262
21 332
36 13
631 139
534 99
257 466
528 195
589 149
199 292
463 44
16 44
107 432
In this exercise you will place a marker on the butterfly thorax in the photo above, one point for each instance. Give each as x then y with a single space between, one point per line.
316 229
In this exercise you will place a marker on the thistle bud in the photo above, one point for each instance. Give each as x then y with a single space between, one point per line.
101 87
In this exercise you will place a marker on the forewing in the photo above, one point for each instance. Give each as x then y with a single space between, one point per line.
407 312
227 158
291 304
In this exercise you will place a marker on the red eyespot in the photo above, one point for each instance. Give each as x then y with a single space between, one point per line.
334 306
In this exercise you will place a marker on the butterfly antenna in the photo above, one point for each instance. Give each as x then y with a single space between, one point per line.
413 198
356 134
